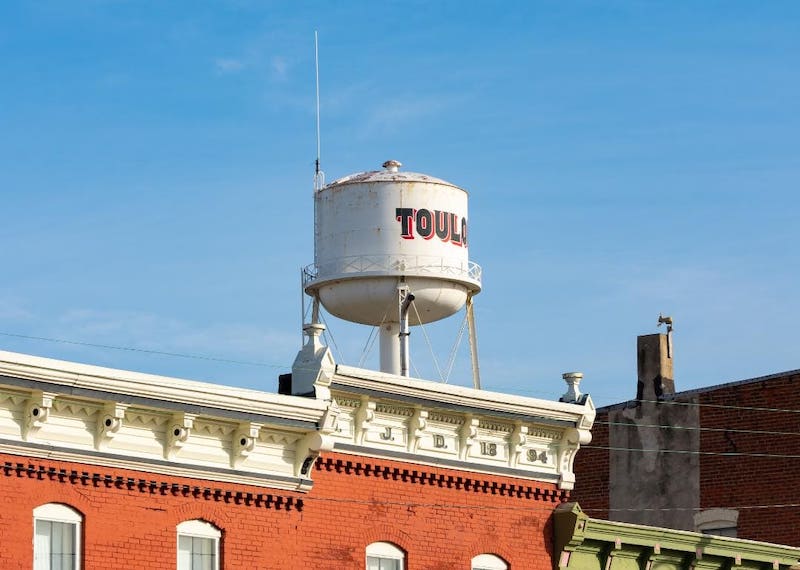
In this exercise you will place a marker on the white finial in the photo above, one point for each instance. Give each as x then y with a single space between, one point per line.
573 380
314 331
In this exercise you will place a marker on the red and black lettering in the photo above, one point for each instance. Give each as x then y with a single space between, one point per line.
406 218
455 236
447 226
424 223
443 225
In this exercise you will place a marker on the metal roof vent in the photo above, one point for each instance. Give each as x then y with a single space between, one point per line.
392 165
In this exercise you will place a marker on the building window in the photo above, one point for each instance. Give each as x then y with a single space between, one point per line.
56 538
719 522
488 562
198 546
384 556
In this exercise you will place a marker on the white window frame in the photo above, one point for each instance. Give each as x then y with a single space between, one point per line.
386 551
488 562
197 528
61 514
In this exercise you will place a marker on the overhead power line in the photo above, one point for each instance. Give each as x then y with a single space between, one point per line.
697 428
142 350
335 348
498 506
693 452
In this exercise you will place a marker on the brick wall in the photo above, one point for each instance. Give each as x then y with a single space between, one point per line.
129 518
440 517
592 472
748 482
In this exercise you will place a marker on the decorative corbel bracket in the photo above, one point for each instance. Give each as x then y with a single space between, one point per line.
364 416
329 422
619 557
516 441
244 442
109 422
467 434
178 433
308 449
312 444
416 428
571 442
37 412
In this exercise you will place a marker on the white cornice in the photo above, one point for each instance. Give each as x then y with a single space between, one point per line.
434 423
160 388
65 410
449 396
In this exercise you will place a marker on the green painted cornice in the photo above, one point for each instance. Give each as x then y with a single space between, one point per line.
584 543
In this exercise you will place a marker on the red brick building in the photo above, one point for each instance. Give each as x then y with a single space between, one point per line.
102 468
723 459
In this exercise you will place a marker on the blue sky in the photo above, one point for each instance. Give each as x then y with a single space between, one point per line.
622 158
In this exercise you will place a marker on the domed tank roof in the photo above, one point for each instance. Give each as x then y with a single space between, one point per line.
390 173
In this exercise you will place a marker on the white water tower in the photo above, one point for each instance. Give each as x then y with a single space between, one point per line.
391 250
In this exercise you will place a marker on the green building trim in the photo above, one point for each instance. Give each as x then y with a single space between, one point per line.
584 543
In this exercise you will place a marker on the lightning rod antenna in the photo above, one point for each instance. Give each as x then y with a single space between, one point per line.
319 175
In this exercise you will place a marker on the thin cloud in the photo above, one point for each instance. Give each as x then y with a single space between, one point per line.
398 114
153 332
279 67
13 311
228 65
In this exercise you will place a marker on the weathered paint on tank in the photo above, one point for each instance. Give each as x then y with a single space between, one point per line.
376 229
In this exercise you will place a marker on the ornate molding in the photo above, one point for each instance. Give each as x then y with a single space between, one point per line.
310 447
482 443
372 467
178 433
86 382
365 414
394 410
448 397
467 434
115 433
495 426
516 443
445 418
416 428
347 402
51 472
109 422
572 441
243 442
37 412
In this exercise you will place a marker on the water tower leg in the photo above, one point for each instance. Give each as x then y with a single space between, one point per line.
390 348
473 344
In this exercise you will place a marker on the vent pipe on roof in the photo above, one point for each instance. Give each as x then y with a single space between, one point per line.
392 165
573 394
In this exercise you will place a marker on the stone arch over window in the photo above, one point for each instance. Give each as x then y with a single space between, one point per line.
385 556
720 522
198 545
56 537
488 562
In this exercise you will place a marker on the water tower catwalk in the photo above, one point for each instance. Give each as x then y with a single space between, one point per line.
391 250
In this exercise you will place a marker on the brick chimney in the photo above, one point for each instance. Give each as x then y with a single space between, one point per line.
654 367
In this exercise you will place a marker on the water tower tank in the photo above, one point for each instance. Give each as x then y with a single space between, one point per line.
375 231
